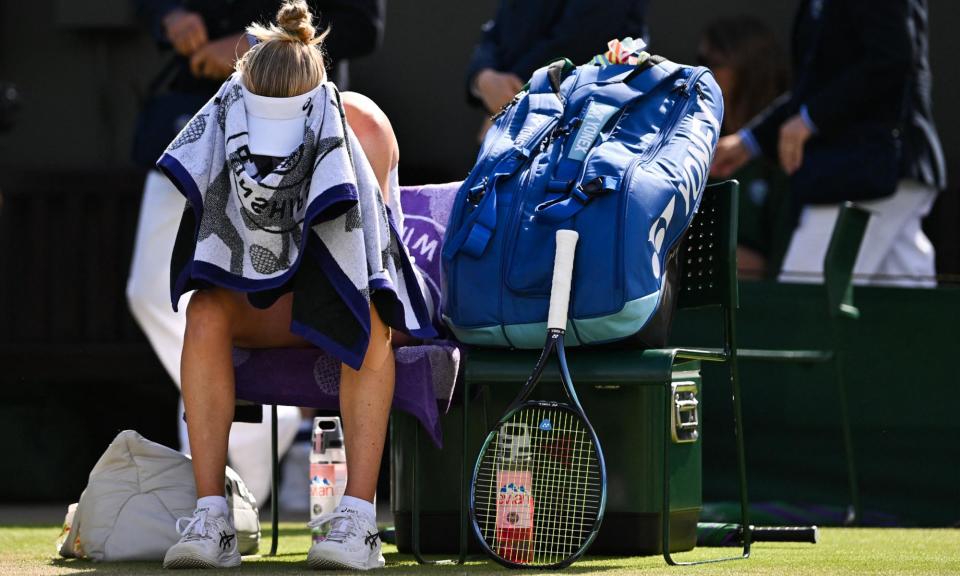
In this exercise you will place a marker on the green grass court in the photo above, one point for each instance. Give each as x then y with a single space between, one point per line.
30 550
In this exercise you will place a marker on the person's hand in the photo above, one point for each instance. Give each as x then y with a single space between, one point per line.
731 154
496 88
185 30
217 58
793 135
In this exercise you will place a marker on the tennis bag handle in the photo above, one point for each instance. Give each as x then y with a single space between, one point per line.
546 108
579 195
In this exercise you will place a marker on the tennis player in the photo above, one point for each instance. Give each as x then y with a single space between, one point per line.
283 84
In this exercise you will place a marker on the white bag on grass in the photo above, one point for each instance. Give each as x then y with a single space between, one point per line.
135 494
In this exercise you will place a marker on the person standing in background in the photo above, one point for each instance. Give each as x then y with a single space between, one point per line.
206 38
857 125
527 34
751 70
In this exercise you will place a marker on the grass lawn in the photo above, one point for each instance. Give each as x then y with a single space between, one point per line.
30 550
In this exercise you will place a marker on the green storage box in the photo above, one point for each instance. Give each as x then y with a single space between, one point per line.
622 394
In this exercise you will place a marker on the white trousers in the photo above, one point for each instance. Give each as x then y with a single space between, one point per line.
148 294
895 251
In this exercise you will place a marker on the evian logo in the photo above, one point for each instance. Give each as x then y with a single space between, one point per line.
703 133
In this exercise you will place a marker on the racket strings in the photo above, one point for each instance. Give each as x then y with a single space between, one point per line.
537 494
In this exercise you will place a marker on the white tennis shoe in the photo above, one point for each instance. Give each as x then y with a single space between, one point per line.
206 541
352 543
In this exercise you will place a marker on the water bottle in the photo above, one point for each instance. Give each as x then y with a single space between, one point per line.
328 469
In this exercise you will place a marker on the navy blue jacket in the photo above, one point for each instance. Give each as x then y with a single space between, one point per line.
176 94
527 34
358 28
859 63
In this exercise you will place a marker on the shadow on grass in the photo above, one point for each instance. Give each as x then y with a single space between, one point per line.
292 554
295 563
480 564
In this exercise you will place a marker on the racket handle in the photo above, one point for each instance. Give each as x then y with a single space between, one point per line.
809 534
717 534
562 274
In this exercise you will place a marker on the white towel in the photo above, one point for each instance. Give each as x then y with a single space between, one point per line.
249 229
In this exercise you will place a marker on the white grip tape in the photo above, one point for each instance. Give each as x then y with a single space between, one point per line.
562 273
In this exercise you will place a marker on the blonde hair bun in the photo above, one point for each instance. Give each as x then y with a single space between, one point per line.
288 61
297 21
294 24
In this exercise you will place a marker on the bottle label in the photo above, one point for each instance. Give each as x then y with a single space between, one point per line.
322 485
514 538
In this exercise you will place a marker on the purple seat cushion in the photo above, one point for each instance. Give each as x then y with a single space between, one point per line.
425 375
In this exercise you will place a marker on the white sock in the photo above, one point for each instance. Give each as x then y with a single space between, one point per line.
364 507
217 505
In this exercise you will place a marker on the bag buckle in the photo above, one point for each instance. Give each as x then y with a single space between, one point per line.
587 191
476 194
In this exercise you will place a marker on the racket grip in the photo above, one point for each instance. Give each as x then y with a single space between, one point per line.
809 534
718 534
562 274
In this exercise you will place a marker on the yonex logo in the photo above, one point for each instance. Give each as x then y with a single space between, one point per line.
704 130
593 120
545 425
533 123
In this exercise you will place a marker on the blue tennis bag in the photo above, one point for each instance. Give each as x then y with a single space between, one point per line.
620 154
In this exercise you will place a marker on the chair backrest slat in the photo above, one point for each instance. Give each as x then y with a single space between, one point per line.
708 251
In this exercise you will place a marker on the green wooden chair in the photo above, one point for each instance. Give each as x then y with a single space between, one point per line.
838 266
708 265
838 276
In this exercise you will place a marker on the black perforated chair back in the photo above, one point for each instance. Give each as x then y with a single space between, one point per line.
708 251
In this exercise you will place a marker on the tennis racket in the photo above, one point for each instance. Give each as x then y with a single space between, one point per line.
539 485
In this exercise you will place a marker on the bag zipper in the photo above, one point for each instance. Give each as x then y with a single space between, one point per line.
506 115
665 134
685 89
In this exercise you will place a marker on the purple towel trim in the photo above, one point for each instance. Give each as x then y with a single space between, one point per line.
214 274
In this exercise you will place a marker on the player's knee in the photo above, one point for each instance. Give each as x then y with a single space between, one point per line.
207 312
379 349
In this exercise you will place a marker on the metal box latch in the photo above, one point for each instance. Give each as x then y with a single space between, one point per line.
684 420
